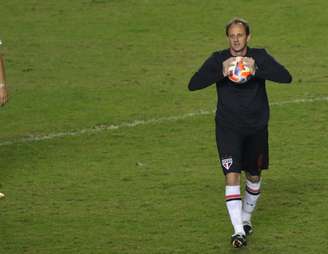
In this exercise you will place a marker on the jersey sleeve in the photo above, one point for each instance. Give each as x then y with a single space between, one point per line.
1 47
209 73
268 68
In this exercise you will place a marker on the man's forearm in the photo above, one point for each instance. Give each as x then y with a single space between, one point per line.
270 69
2 73
208 74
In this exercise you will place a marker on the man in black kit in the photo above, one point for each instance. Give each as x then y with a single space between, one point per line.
241 120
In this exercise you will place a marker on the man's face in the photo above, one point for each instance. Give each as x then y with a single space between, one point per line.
237 39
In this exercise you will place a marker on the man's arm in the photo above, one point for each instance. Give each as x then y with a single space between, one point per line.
269 69
3 89
209 73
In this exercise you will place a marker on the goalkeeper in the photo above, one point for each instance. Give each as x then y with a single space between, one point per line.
242 117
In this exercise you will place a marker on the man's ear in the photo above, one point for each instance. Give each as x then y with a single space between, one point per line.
248 37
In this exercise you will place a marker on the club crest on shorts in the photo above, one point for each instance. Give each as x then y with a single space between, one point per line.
226 163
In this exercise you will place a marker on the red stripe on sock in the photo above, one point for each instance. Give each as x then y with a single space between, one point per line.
253 190
232 196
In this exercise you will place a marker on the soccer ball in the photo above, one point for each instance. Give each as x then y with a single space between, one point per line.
239 72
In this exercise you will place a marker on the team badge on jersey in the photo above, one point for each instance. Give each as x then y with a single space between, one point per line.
226 163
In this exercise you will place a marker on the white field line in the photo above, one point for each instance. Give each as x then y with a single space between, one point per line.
102 128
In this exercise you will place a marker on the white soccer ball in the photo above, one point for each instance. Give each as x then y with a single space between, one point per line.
238 72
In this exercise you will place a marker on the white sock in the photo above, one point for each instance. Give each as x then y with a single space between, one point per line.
251 196
234 205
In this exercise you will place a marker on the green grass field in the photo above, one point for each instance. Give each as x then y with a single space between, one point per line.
75 68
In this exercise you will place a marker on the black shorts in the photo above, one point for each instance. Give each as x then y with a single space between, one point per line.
242 150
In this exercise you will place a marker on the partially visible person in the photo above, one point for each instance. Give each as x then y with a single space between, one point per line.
3 90
3 87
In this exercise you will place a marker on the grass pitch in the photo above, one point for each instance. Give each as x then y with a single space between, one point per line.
155 187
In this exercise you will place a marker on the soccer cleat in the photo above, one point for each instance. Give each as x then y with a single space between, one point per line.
238 240
248 228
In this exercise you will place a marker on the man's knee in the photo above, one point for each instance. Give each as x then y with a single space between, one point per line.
253 179
232 179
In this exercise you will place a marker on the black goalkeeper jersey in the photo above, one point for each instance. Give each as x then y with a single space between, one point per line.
241 106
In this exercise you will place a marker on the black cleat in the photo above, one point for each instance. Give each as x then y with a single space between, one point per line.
248 228
238 240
